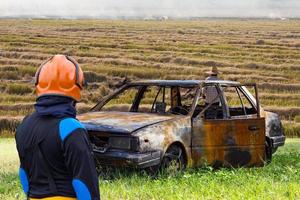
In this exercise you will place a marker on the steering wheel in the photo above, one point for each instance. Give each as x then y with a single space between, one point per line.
179 110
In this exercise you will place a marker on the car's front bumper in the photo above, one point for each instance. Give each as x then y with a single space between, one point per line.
277 141
128 159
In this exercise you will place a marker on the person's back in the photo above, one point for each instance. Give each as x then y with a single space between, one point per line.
54 150
211 95
210 92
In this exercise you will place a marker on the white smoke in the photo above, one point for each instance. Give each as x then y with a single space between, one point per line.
150 8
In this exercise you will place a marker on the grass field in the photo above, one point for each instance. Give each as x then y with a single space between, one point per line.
278 180
262 51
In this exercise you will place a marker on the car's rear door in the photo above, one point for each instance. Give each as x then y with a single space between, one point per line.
236 139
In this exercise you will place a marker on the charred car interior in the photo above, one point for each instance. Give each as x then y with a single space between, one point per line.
158 122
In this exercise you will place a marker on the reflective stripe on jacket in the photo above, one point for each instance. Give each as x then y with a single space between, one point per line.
56 159
55 198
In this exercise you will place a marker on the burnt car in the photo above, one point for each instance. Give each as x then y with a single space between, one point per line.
153 123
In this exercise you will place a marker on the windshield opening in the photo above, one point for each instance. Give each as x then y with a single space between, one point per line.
152 99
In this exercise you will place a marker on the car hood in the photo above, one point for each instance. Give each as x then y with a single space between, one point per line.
120 122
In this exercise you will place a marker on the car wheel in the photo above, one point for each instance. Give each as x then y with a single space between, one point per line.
274 150
268 152
173 160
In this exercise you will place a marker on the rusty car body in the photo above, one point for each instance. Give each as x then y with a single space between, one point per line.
166 120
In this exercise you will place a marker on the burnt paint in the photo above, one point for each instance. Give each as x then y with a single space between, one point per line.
120 122
273 124
237 157
182 82
228 143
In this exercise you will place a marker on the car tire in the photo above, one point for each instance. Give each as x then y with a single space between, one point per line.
268 152
274 150
173 160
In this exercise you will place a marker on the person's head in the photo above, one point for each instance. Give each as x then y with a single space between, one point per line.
59 76
213 72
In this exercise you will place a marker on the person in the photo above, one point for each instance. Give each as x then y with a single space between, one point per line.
210 94
56 160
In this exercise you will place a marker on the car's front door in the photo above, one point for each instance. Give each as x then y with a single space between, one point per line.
236 138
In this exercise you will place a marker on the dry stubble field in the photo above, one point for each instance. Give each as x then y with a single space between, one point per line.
261 51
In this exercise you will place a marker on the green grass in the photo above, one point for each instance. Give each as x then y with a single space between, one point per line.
278 180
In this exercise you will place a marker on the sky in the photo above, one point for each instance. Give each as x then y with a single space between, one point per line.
150 8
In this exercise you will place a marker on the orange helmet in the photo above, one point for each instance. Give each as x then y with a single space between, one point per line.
59 75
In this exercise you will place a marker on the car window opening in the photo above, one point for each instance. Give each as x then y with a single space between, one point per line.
209 105
238 103
221 102
153 99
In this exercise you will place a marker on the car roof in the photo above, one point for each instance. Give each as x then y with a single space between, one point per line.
186 83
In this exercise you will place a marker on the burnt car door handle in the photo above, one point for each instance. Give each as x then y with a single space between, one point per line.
253 128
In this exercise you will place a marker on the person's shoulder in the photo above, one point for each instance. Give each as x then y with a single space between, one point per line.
28 118
23 127
67 126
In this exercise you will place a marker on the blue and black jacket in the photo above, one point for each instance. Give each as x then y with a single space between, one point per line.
56 158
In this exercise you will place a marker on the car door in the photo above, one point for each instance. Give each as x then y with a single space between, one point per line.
237 138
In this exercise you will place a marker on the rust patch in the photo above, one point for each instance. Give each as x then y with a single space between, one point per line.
120 121
229 143
160 136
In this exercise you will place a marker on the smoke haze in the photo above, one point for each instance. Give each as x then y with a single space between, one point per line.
150 8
